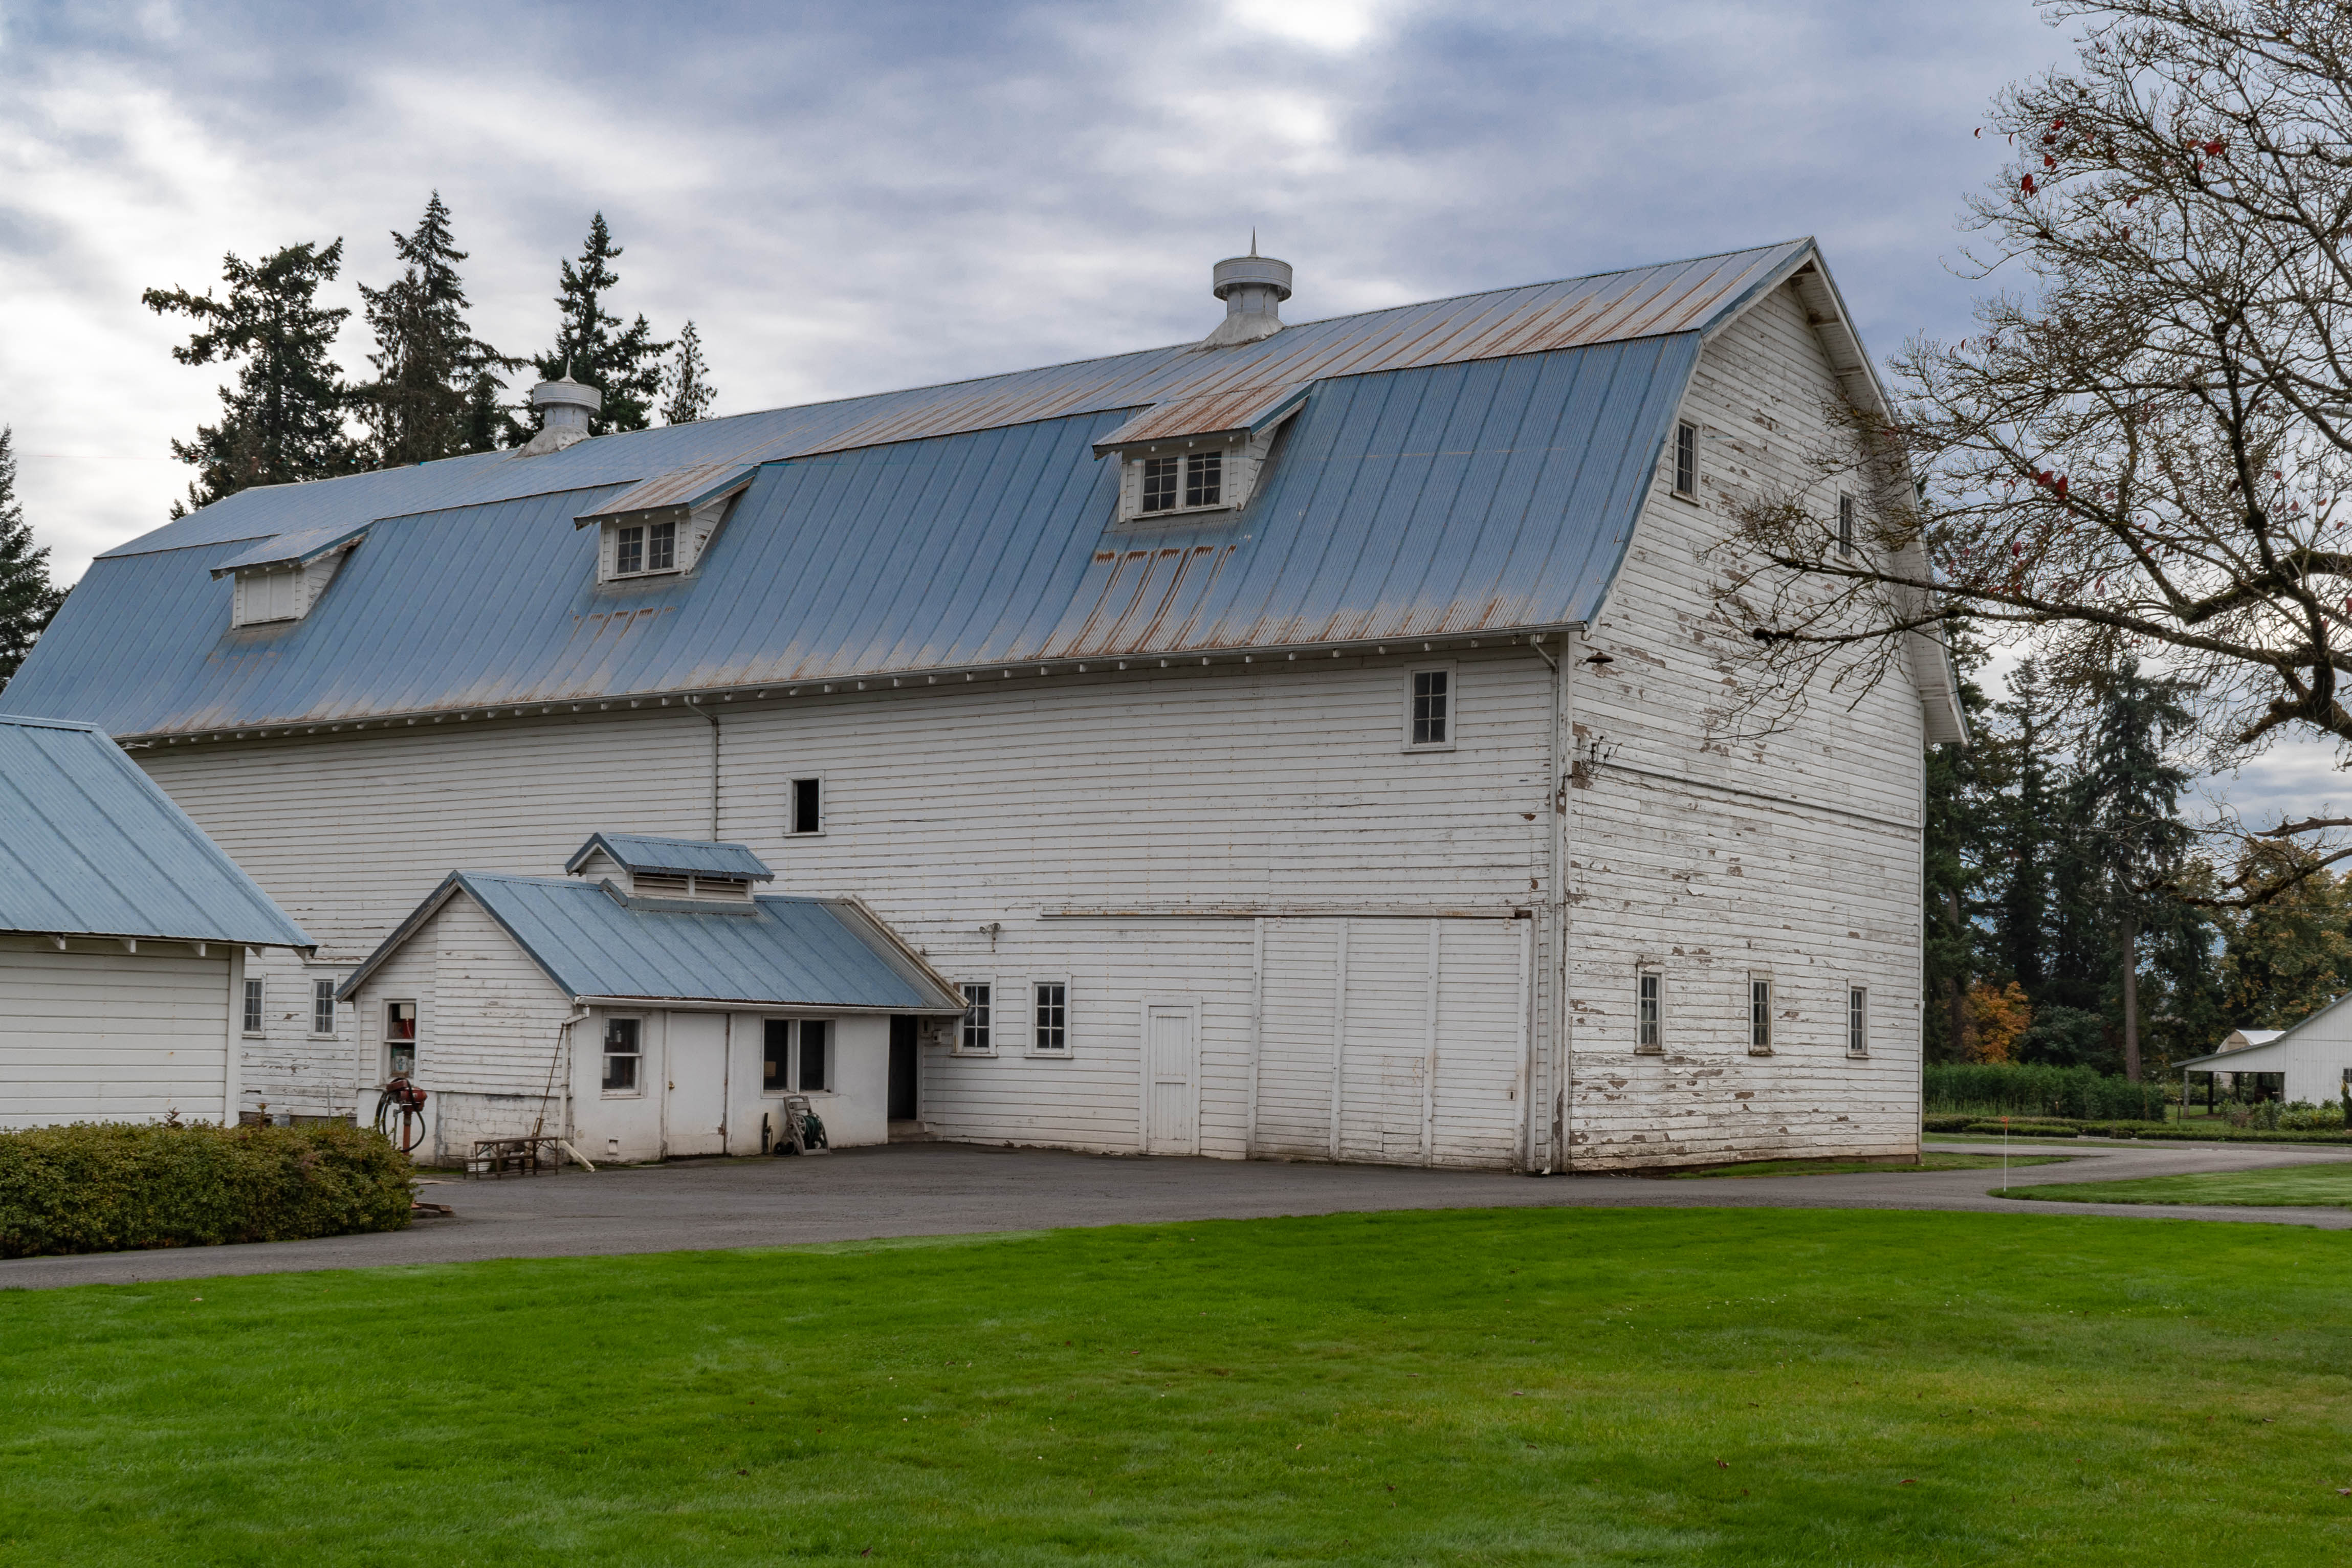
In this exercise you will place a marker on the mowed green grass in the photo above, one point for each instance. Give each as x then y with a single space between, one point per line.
1586 1386
1930 1162
2297 1187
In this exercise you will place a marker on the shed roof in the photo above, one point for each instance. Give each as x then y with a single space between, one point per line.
676 857
90 846
783 952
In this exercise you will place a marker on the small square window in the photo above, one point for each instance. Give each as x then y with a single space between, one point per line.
322 1007
815 1055
1845 525
628 550
1857 1021
808 806
978 999
400 1040
661 547
1159 484
252 1005
1204 475
1051 1018
1649 1025
776 1057
621 1055
1760 1015
1686 459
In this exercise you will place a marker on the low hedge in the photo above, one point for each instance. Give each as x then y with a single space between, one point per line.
2027 1089
110 1186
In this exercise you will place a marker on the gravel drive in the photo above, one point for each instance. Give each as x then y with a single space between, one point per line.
933 1189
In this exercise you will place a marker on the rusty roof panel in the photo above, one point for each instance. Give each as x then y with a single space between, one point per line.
688 486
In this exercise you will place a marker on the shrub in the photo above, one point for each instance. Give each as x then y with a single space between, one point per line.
2025 1129
2013 1089
106 1186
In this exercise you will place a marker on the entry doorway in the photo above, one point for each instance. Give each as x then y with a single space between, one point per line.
1171 1071
694 1113
906 1061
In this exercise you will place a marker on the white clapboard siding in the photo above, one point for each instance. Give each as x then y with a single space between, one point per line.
1301 1026
1384 1059
1482 1040
89 1035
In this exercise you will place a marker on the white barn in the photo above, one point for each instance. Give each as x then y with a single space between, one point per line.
124 939
2315 1056
1294 743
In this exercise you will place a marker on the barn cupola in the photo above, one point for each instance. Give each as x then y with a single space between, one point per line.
565 407
1253 288
639 868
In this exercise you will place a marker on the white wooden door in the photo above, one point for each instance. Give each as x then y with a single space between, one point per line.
1171 1073
695 1112
1386 1041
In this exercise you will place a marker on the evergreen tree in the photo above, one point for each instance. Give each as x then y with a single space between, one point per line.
685 386
283 421
27 600
436 392
2132 793
2021 828
593 348
1960 804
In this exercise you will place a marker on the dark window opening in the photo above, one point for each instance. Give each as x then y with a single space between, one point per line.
1159 484
776 1057
1052 1015
1857 1038
976 999
1429 706
1650 1034
816 1047
1204 478
1845 525
1686 458
628 551
620 1054
808 806
1760 1015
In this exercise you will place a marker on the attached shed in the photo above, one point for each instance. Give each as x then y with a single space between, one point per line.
2315 1055
123 936
650 1004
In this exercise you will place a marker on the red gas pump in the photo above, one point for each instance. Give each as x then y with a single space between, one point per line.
400 1113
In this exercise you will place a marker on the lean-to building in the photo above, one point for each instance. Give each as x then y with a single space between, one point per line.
1294 743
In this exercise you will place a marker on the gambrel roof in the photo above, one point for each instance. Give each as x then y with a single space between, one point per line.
90 846
1466 466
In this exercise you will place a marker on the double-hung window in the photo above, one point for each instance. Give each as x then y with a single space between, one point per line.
1687 460
1760 1015
322 1007
1429 709
252 1004
1050 1022
977 1037
1649 1010
623 1050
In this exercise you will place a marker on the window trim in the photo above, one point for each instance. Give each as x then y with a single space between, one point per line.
1233 455
609 548
1652 979
1030 1025
1445 667
1686 446
793 805
644 1022
416 1034
1857 1021
253 1009
323 992
1760 1024
994 1026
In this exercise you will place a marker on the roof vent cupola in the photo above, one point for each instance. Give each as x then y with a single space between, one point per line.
1253 288
565 407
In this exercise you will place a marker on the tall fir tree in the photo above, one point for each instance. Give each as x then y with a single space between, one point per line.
1959 802
283 421
593 348
437 387
2133 789
685 385
27 599
2020 827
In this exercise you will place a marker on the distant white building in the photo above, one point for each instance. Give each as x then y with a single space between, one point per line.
649 1004
1292 742
125 993
2314 1055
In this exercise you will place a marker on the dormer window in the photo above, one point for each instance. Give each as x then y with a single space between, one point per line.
665 526
280 578
636 865
1199 478
1198 454
642 547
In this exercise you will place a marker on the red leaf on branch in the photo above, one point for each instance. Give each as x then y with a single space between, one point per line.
2215 149
2048 161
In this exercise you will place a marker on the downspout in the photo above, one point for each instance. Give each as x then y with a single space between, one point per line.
697 706
1555 806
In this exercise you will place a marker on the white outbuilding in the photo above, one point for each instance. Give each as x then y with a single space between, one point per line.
2315 1055
650 1004
125 932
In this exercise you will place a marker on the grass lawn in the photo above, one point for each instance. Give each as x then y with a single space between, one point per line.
1931 1162
2296 1186
1528 1386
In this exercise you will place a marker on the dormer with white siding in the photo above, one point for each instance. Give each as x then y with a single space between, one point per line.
666 871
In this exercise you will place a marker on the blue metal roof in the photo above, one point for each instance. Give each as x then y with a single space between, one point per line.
787 952
90 846
678 857
1490 495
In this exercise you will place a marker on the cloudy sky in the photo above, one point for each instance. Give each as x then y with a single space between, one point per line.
849 198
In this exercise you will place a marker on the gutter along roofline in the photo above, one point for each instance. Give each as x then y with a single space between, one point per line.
906 679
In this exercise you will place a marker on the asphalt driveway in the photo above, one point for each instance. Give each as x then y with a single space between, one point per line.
933 1189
